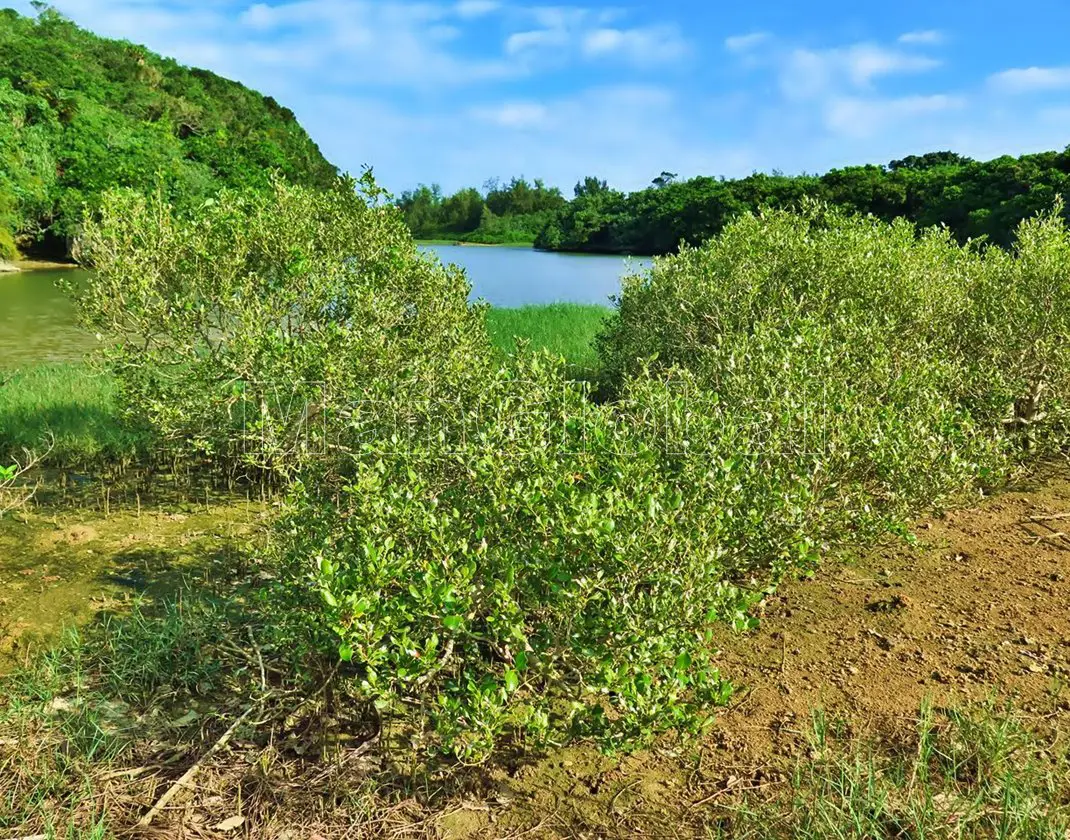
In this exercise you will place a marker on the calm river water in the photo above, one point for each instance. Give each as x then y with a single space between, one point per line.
37 322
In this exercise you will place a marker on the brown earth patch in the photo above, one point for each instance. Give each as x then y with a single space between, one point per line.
60 567
70 535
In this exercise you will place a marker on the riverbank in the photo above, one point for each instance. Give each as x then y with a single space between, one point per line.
45 265
462 243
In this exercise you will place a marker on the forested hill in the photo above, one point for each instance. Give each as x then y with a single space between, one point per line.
80 113
973 198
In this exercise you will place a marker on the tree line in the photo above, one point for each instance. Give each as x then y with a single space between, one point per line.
80 113
502 213
974 199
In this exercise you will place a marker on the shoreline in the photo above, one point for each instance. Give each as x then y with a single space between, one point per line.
531 247
44 265
452 242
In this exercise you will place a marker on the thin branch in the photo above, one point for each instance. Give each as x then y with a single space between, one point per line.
188 776
7 503
1049 518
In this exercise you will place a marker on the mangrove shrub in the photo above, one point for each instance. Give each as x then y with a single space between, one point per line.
488 553
242 331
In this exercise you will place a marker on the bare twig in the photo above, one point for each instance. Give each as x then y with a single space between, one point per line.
187 777
537 827
447 654
1049 518
9 500
131 773
730 789
742 702
259 659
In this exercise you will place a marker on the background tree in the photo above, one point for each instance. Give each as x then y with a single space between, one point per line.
973 199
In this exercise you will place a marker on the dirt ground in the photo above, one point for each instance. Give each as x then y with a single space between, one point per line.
979 608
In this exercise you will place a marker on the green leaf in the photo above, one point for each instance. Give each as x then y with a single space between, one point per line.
512 680
345 652
453 622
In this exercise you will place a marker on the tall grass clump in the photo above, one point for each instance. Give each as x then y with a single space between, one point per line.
566 329
973 772
71 411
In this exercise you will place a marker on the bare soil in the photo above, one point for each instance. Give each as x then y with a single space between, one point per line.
59 567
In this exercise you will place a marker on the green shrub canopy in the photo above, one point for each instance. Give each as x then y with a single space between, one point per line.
489 549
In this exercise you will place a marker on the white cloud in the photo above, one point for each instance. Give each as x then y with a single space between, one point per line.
570 17
922 37
1031 79
518 115
292 47
535 39
864 62
861 117
746 43
564 31
476 8
641 46
807 74
259 16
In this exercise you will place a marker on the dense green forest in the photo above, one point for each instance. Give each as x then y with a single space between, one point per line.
972 198
80 113
512 213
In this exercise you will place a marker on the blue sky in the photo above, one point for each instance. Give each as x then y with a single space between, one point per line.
458 91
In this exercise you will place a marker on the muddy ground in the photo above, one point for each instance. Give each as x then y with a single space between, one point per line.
978 608
60 565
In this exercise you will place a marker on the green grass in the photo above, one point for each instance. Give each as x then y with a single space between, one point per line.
567 329
970 772
67 718
75 407
68 407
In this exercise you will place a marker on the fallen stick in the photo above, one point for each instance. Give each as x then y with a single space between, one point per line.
186 777
1049 518
730 789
